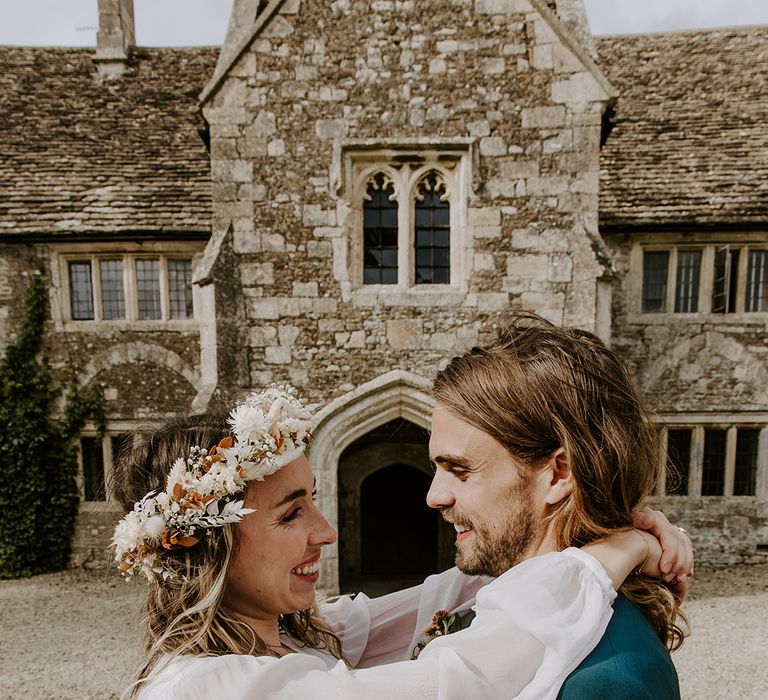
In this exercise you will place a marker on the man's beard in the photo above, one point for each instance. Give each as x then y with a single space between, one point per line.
494 551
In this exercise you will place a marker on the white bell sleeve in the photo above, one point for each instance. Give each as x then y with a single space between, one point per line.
376 631
534 625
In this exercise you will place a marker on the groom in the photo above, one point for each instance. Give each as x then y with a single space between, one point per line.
540 442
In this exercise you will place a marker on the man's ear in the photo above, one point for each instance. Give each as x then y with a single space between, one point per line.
560 477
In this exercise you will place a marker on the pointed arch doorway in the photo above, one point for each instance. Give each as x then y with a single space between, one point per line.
388 537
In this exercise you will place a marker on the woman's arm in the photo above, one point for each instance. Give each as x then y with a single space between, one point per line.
622 552
375 631
385 629
534 624
664 552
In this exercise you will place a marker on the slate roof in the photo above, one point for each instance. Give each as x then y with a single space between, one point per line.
80 154
690 142
83 155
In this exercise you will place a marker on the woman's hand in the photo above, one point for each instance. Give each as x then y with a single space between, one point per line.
658 550
676 561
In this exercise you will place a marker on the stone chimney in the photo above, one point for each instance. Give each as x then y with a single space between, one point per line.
116 36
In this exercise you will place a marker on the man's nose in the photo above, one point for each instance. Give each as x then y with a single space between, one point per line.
439 494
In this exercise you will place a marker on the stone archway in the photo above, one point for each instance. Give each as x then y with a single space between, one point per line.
388 537
351 417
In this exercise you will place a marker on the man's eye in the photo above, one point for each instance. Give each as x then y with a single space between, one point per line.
460 474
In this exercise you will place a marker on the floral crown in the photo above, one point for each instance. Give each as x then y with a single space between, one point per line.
269 430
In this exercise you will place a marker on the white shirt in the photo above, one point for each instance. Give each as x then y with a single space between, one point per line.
534 624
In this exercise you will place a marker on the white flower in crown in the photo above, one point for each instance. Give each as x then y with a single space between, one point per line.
249 423
270 428
128 531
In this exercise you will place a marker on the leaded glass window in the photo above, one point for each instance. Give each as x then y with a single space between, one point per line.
148 289
93 469
725 280
757 281
410 218
432 214
745 475
81 291
112 291
687 282
380 232
713 477
655 266
130 287
678 461
180 288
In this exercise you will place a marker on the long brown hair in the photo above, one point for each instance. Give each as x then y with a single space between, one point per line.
187 614
540 387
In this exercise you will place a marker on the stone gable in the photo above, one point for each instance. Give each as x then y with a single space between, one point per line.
320 80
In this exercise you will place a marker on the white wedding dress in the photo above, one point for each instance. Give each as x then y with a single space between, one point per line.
533 626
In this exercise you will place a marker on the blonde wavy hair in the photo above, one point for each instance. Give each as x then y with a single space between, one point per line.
188 614
540 387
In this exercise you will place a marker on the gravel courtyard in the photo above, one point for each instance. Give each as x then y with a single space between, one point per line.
72 635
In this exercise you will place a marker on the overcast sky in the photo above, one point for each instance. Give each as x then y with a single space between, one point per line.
203 22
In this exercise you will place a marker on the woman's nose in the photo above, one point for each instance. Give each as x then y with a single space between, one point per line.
323 533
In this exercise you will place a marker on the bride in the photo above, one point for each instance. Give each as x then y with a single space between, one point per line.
230 539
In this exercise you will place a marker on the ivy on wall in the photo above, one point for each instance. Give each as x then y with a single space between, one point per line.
38 454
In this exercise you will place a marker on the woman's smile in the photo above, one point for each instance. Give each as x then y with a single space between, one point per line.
309 570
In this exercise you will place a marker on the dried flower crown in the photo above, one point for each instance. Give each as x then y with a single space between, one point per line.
270 429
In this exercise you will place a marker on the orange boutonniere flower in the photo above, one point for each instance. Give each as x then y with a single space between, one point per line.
442 623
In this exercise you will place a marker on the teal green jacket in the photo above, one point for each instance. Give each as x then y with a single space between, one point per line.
629 663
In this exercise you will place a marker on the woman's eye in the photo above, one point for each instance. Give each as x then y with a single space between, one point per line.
314 495
292 515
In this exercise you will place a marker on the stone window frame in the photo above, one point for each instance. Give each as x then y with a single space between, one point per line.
708 243
698 424
454 161
62 255
112 429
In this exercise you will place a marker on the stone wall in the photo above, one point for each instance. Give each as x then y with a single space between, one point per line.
17 266
324 77
94 527
688 362
701 369
142 375
725 531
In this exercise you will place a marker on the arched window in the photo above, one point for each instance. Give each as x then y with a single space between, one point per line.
432 238
380 231
408 221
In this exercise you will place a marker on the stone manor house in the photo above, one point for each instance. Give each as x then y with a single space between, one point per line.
348 192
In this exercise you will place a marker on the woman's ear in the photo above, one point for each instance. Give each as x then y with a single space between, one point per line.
560 477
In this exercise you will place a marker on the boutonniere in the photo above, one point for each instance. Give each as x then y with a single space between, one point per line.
442 623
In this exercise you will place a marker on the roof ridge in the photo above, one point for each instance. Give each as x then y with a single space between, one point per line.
736 28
